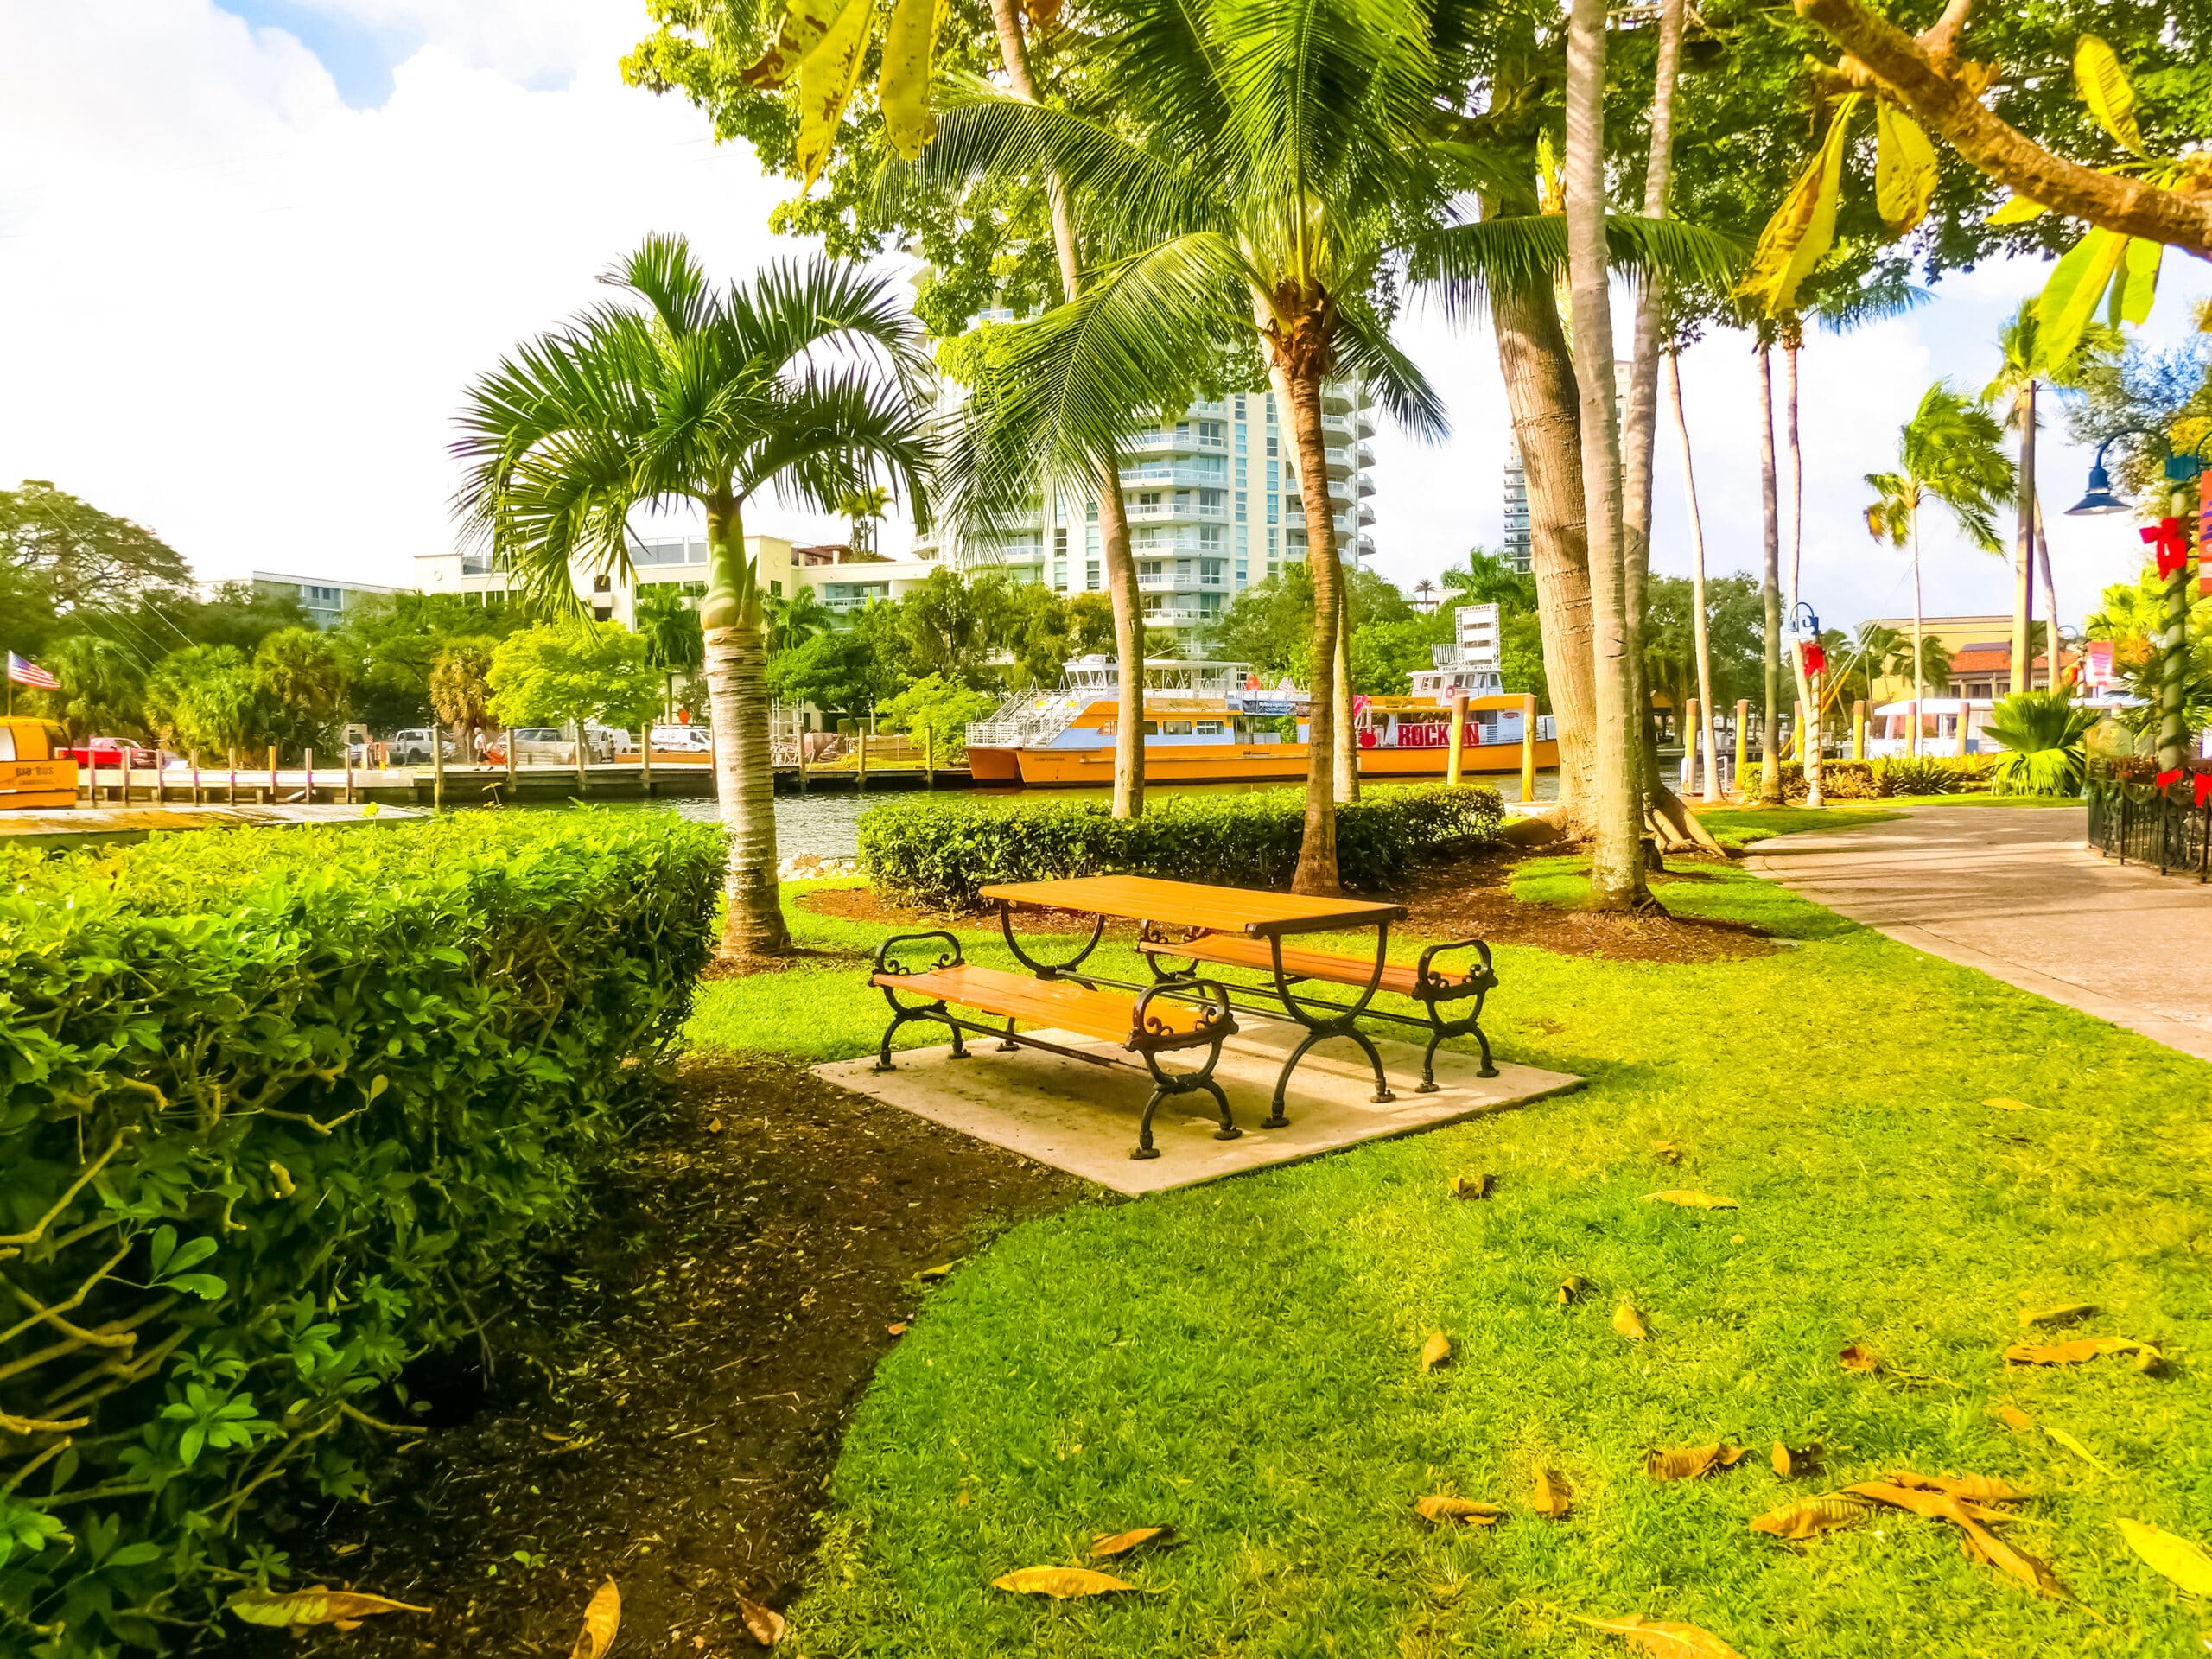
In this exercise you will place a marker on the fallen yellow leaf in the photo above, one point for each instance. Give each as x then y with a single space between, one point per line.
1667 1641
1810 1516
1553 1497
1790 1462
1689 1462
764 1625
602 1618
1629 1322
312 1605
1983 1546
2016 1420
1061 1583
2066 1314
943 1270
2083 1350
1573 1288
1855 1358
1471 1186
1436 1352
1440 1510
2006 1104
2183 1561
1974 1489
2077 1449
1107 1545
1666 1152
1689 1199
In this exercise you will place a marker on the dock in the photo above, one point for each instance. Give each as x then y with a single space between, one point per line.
88 826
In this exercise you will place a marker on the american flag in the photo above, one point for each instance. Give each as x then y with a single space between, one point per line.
29 673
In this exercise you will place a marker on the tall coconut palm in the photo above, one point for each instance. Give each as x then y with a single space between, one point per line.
1950 453
2024 370
1280 157
801 380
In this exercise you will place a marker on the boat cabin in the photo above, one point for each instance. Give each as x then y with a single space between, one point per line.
35 771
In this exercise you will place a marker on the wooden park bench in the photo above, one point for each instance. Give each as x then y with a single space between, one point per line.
1159 1020
1422 982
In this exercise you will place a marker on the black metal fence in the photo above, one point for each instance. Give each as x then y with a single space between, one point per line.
2139 822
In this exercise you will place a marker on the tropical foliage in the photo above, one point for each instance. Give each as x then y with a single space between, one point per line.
2044 736
287 1111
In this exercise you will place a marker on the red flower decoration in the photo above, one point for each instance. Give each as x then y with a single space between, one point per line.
2166 780
1816 660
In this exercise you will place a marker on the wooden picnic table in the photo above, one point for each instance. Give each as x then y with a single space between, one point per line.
1241 912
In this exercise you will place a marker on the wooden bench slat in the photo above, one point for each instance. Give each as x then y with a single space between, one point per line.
1196 903
1401 977
1057 1002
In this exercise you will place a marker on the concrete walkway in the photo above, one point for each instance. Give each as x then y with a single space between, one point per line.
2014 891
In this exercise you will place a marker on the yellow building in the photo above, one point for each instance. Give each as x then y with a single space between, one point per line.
1981 650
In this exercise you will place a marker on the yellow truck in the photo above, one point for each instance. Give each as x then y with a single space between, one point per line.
36 771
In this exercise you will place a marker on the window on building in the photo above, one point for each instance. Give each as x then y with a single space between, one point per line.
1275 511
1271 447
1240 506
1210 432
1239 406
1241 439
602 584
1060 543
1210 537
1090 576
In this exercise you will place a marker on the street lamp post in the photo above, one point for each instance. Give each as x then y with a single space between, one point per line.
2171 538
1805 624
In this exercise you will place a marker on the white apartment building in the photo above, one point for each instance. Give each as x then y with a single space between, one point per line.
677 559
1214 506
1519 551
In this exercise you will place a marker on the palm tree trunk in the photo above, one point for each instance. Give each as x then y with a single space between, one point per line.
2050 600
1540 391
1919 648
1770 586
1793 340
737 701
1616 873
1113 517
1301 366
1697 587
2024 551
1640 420
1345 762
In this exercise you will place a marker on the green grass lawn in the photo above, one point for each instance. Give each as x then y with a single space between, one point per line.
1239 1361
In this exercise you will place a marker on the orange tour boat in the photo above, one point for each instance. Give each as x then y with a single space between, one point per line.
1211 722
34 771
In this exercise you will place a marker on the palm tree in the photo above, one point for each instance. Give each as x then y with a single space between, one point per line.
675 643
1425 593
1950 453
1286 159
2024 370
865 509
793 621
682 392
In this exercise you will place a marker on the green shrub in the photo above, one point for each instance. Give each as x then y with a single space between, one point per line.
2044 734
277 1110
1876 781
936 851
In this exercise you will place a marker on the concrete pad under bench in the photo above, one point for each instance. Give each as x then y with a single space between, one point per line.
1083 1118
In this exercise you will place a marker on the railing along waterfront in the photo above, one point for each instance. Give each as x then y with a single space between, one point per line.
2136 821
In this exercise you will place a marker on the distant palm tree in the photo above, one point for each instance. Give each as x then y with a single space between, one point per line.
685 392
793 621
2024 371
1425 594
675 642
865 509
1951 453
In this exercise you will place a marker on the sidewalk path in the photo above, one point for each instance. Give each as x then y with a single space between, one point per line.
2014 891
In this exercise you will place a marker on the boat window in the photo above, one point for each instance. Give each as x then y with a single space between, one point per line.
1174 727
7 744
1209 727
1151 727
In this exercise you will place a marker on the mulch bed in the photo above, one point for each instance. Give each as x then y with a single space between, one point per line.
1469 898
665 1408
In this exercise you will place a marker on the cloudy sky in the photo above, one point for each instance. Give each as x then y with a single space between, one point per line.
251 251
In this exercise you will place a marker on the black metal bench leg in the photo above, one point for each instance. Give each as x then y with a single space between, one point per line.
1382 1089
1489 1068
1007 1042
1228 1131
959 1051
1145 1149
1428 1085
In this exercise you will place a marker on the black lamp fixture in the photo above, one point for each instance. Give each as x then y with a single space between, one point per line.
2100 498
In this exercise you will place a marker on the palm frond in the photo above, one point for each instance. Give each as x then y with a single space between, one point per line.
1365 351
663 272
1459 264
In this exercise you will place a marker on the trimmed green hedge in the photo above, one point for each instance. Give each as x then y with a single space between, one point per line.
277 1110
1877 780
936 851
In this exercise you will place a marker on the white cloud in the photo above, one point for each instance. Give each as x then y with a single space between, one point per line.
244 314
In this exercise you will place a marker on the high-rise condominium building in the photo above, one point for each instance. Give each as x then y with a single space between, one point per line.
1214 506
1517 553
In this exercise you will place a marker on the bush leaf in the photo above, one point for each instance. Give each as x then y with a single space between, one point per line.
1904 168
2185 1562
1802 229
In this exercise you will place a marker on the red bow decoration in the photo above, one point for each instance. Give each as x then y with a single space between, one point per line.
2172 543
1816 660
2166 780
2203 782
